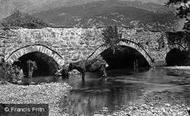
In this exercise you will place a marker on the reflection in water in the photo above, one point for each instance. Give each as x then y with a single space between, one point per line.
153 86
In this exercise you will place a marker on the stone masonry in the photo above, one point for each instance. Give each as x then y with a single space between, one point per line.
71 44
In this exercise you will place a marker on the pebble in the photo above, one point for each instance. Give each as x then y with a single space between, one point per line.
151 110
48 93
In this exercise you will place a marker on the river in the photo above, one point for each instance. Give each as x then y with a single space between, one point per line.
156 86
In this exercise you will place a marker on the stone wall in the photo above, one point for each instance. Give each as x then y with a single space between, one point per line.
76 43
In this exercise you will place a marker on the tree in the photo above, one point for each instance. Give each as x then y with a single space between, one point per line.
183 10
182 7
111 38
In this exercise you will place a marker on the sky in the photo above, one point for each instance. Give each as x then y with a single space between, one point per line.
32 6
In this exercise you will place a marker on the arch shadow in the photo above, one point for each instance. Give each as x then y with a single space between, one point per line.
131 44
177 57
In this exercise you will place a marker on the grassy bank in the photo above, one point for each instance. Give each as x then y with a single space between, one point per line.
48 93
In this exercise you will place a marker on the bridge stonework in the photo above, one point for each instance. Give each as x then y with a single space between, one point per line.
34 48
65 45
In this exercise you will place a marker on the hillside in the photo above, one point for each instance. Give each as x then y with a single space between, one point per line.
19 19
121 13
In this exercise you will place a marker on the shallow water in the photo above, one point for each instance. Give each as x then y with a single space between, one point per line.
154 86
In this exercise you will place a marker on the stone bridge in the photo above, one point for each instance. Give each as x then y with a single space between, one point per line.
65 45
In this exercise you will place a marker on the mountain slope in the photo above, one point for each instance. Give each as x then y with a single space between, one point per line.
103 13
33 6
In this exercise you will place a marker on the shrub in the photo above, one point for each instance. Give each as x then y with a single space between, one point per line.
111 37
18 19
9 73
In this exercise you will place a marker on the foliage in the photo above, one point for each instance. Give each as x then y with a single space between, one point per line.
180 38
183 9
111 37
9 72
18 19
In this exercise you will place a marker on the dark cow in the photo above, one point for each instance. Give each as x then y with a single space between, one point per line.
63 72
94 65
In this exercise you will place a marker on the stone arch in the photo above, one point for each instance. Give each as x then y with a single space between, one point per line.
34 48
131 44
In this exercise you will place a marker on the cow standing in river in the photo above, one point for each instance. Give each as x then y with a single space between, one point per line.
97 64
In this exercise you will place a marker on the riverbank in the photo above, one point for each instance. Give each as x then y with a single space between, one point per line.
178 67
155 103
46 93
147 110
179 71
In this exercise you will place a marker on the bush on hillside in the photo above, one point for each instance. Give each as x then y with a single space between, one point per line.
18 19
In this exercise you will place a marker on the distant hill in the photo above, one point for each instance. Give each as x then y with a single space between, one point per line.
121 13
18 19
34 6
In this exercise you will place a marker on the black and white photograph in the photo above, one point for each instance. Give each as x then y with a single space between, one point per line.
94 57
